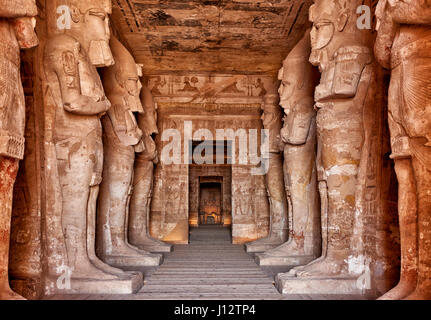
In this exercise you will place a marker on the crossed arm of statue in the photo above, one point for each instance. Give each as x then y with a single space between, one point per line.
17 8
409 11
66 68
125 125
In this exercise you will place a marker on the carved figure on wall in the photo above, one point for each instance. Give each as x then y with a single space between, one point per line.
140 202
403 45
299 144
121 138
274 179
190 85
17 24
159 83
260 85
342 53
76 94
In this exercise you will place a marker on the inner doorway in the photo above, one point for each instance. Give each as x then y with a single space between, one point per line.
210 202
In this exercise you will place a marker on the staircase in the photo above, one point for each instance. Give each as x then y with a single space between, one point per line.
210 267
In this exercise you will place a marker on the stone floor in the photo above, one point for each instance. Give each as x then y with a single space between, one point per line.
209 268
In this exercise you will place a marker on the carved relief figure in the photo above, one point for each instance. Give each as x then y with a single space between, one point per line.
17 24
75 91
190 87
121 138
341 52
404 45
140 202
299 143
274 179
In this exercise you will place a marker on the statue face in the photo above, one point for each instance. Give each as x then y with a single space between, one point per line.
96 34
323 14
289 82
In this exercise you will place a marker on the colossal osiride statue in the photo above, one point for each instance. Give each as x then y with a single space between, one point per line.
121 138
74 102
273 179
299 143
342 52
403 45
140 202
17 24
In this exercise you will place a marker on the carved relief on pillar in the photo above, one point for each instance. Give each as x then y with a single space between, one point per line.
403 45
16 32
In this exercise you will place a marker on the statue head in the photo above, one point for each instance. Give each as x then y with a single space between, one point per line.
331 19
296 75
149 125
126 73
90 26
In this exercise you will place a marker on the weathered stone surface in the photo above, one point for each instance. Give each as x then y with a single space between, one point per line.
210 36
343 99
140 201
16 32
278 227
121 138
74 102
299 144
403 42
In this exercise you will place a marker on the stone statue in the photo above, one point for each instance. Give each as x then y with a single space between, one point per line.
274 180
121 138
77 95
342 53
17 24
299 143
403 45
139 233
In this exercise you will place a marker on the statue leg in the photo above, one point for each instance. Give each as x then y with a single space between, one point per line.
423 180
8 173
299 164
91 235
407 212
113 246
75 176
341 153
140 202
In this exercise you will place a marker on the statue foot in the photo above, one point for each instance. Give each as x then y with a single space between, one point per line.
147 241
297 269
328 267
127 250
106 267
84 269
402 290
420 293
290 248
8 294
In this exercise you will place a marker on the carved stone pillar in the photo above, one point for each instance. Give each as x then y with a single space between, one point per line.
403 45
16 32
299 144
273 179
139 232
74 102
121 137
342 52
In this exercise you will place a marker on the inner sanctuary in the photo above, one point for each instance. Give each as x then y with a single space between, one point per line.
224 150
